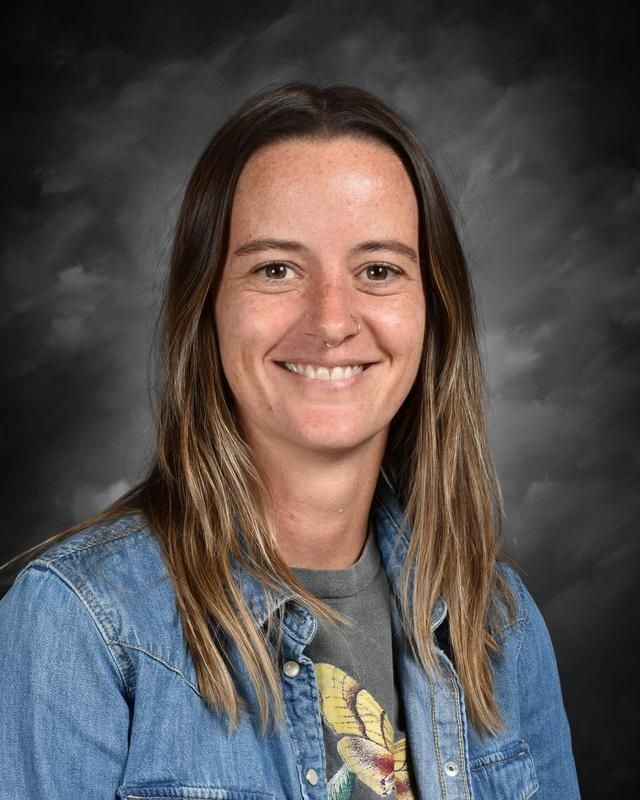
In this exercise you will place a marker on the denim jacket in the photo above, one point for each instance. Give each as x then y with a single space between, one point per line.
99 698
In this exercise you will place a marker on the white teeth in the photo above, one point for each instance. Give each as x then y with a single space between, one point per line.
322 373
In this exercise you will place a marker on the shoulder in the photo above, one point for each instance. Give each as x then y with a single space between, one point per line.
110 540
105 565
528 629
116 577
523 600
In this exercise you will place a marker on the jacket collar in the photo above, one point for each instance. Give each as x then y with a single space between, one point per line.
393 543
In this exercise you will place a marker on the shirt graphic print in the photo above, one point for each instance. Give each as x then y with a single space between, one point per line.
366 742
367 755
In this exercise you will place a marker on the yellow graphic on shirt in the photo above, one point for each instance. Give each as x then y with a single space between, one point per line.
367 747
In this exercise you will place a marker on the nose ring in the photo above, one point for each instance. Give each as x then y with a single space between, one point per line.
352 334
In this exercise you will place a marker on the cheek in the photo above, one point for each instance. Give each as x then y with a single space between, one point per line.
248 327
419 328
403 327
230 336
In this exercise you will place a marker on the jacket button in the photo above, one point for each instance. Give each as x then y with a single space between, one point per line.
311 776
451 768
291 669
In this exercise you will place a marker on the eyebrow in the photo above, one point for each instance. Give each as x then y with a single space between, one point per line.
370 246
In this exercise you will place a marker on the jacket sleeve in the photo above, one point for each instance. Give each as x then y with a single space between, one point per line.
65 718
543 720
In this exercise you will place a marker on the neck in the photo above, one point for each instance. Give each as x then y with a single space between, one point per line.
322 501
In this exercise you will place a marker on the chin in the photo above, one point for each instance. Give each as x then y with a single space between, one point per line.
331 438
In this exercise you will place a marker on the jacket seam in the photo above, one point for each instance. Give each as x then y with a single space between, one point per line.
497 763
521 752
95 616
434 730
459 720
520 588
96 540
135 787
159 659
293 743
510 625
525 619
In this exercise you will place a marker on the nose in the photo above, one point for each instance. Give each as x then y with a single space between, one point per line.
330 314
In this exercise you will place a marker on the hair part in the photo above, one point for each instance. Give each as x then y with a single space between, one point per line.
202 488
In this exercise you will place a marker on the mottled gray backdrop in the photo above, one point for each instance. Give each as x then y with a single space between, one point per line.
531 112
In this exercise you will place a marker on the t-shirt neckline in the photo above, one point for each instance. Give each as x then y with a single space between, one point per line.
328 583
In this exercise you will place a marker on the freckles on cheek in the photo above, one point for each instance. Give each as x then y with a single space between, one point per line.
232 323
246 338
402 330
399 322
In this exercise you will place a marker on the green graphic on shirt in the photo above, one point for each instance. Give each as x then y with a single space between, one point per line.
341 784
367 747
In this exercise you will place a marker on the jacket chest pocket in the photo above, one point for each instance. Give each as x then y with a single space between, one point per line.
160 792
507 774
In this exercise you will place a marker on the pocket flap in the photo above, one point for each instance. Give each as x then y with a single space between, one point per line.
164 792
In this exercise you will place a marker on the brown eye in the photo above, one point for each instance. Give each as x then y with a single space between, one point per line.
377 271
380 272
274 271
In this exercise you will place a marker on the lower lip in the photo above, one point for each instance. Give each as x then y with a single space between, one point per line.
327 384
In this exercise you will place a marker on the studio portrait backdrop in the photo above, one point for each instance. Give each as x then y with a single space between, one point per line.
530 113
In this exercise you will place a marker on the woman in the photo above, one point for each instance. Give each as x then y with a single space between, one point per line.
304 598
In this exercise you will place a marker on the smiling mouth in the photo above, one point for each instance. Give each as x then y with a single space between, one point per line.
321 373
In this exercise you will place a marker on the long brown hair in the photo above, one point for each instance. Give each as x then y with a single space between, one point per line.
203 481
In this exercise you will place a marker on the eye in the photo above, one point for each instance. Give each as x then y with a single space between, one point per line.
381 272
273 271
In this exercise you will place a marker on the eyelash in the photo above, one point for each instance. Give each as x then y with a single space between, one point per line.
395 270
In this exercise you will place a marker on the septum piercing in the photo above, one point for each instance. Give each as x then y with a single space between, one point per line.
352 334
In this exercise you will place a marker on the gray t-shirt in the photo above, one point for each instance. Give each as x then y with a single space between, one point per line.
361 708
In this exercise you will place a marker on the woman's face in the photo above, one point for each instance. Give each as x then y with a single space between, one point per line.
347 219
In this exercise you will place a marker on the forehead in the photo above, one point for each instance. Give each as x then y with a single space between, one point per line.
342 177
